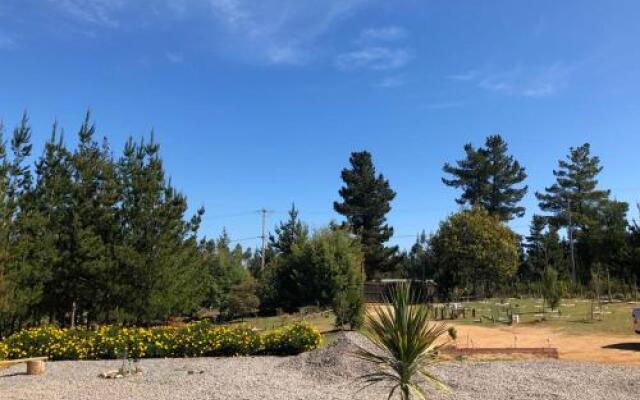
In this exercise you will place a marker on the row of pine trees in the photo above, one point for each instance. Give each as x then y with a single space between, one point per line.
86 235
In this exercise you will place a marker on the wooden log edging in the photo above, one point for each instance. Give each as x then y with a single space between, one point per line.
35 365
549 352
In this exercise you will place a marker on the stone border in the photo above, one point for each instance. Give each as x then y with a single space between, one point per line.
549 352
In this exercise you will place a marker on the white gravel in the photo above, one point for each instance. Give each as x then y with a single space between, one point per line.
328 373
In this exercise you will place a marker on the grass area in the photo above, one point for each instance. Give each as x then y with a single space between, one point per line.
573 315
324 321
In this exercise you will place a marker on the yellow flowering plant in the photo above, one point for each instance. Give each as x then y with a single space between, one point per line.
198 339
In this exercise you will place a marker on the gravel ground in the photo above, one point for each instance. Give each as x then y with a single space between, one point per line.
328 373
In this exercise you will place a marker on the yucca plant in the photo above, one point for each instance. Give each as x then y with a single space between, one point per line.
405 345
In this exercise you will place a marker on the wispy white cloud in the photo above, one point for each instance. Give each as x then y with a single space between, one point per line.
533 82
283 31
391 82
386 34
376 52
93 12
272 31
375 58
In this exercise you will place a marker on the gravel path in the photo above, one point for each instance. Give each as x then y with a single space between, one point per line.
325 374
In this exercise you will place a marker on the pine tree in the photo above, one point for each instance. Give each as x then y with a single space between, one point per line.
158 258
366 199
242 299
489 177
574 199
94 223
225 267
575 190
418 262
470 175
289 233
53 200
605 242
26 246
544 248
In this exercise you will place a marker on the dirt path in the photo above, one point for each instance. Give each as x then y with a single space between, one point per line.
597 348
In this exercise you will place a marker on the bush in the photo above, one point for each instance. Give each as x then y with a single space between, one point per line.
292 339
198 339
4 351
349 309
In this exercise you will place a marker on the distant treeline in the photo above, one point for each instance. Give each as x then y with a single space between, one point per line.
87 236
581 232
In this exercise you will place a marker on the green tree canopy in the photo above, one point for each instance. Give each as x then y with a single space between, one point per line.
325 271
226 270
575 189
418 261
473 250
544 248
289 233
489 177
366 200
93 238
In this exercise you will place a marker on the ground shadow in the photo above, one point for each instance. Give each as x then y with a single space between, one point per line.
12 374
623 346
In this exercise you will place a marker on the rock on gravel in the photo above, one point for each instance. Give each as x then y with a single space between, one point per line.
327 373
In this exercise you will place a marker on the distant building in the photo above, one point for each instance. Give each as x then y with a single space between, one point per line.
377 291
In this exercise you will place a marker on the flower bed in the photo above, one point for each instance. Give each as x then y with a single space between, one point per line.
198 339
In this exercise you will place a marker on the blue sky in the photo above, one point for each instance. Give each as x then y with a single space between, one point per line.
259 103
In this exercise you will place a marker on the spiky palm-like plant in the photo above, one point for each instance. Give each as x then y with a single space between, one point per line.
405 345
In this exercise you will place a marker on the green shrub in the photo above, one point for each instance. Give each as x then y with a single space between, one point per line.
4 351
200 339
293 339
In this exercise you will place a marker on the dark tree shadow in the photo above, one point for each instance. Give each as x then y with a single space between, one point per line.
11 374
623 346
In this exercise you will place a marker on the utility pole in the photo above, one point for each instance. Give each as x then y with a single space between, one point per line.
570 233
263 211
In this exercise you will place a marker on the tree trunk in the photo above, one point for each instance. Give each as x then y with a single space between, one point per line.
73 314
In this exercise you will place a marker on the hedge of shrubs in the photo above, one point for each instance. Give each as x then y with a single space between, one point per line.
198 339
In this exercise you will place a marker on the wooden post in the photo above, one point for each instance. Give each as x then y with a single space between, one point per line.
35 367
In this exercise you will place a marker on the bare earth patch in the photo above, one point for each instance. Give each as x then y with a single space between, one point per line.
613 349
328 373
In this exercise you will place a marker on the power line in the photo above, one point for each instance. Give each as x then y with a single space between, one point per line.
231 215
263 212
245 239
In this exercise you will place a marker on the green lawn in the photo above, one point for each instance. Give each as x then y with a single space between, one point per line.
573 315
324 321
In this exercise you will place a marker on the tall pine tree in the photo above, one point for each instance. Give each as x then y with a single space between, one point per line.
159 260
574 199
26 245
575 189
53 198
366 200
488 177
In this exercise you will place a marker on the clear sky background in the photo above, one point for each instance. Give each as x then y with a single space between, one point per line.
259 103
